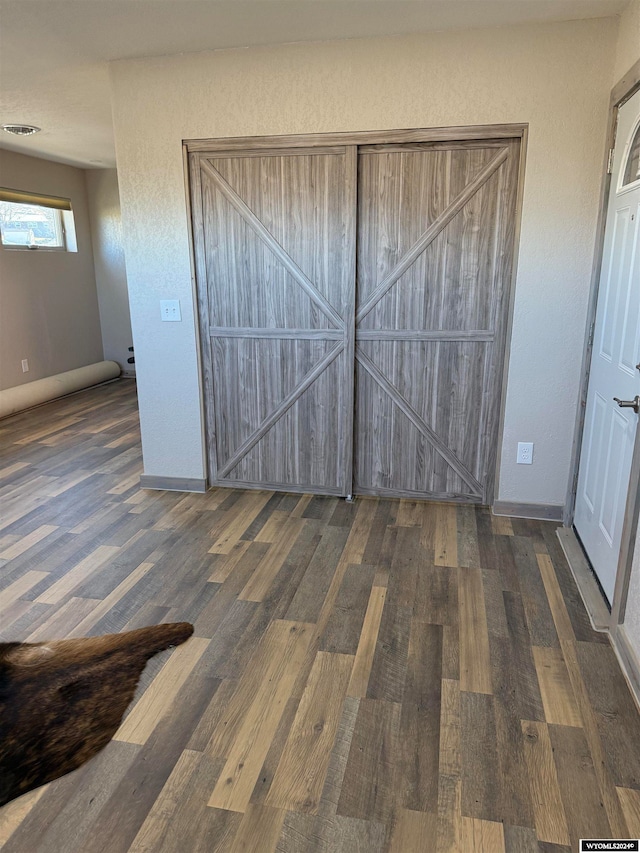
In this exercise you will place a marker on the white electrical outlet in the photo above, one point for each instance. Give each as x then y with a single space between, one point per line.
170 310
525 453
25 365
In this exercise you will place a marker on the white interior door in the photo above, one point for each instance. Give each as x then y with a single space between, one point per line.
610 426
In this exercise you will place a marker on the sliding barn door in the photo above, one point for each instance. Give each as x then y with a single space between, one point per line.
435 253
275 254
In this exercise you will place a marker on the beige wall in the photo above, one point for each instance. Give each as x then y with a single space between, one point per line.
556 77
632 613
48 301
628 44
108 257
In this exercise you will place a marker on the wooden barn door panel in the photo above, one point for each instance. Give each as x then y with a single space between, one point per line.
275 250
435 252
286 319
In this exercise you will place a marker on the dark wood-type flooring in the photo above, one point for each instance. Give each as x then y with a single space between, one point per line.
377 676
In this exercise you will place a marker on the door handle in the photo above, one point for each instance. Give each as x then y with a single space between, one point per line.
630 404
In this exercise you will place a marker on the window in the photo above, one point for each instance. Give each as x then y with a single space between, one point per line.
29 221
631 174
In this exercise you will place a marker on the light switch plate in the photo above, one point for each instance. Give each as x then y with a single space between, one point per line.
170 310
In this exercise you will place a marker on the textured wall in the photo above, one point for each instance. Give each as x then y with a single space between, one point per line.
556 77
632 614
628 46
48 302
108 258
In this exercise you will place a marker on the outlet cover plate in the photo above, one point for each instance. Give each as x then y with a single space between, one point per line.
525 453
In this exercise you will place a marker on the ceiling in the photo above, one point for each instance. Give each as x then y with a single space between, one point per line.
54 54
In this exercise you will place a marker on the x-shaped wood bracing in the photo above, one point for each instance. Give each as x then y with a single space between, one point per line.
421 244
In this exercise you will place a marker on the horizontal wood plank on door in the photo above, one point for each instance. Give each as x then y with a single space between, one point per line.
367 137
283 334
279 152
419 335
446 497
294 488
448 145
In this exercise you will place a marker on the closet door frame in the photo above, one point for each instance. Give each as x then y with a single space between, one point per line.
471 133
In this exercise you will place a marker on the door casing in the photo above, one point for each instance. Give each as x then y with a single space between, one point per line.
621 92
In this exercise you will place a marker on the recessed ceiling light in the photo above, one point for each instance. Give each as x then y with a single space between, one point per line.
21 129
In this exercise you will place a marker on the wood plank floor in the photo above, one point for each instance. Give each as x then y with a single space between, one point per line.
377 676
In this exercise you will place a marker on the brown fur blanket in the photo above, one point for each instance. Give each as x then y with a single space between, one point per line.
61 702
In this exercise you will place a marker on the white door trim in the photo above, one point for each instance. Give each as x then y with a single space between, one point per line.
621 92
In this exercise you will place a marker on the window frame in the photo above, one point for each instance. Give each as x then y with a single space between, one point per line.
60 206
626 156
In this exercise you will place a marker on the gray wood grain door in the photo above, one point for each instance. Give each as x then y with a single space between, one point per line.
436 225
274 240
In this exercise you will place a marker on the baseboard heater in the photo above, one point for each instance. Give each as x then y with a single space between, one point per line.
31 394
